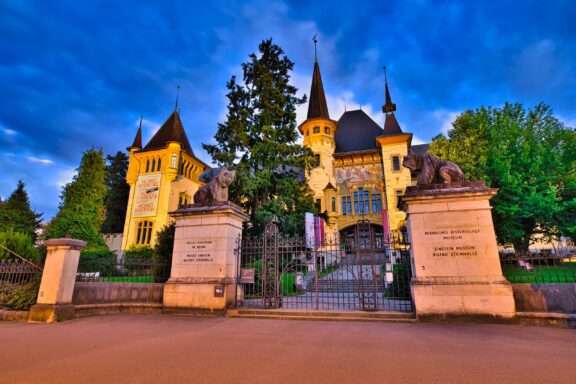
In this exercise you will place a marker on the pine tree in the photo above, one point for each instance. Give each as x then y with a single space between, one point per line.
118 192
81 210
259 139
17 214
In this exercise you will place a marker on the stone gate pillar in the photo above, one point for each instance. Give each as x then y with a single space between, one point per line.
58 278
455 264
204 261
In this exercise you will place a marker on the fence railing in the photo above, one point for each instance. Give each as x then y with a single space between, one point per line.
122 271
544 267
15 273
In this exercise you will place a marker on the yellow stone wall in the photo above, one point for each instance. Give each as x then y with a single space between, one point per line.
395 181
171 185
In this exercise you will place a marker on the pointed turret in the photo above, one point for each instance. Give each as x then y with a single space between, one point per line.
137 144
391 126
171 131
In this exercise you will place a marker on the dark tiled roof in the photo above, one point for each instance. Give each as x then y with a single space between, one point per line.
330 186
138 139
317 105
391 126
356 132
171 131
420 148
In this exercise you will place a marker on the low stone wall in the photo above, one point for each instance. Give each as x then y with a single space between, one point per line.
110 293
545 297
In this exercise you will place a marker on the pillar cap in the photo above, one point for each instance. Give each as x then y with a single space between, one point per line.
64 241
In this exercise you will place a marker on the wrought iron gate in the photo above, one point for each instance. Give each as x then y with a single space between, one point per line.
360 272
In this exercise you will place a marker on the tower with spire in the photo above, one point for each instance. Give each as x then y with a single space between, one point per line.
394 144
318 131
163 174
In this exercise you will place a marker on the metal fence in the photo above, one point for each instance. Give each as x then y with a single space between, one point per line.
15 273
545 266
363 271
122 270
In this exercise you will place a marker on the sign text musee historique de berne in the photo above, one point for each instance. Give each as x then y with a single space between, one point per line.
200 251
454 242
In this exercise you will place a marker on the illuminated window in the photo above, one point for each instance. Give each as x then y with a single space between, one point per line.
361 203
376 203
173 160
144 234
346 205
316 130
396 163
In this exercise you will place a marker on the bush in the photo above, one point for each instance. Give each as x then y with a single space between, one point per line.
400 286
19 243
138 260
22 298
162 259
98 259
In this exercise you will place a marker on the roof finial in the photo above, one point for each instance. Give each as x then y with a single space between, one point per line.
177 94
315 40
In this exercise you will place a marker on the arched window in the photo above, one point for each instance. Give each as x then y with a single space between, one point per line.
144 233
159 164
153 165
147 165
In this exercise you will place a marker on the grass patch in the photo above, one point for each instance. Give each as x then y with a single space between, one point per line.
563 273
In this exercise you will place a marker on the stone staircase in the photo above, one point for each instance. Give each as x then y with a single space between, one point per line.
361 316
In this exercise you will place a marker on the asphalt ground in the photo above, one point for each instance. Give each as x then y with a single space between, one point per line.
185 349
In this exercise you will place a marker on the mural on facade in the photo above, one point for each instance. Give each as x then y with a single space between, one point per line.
367 176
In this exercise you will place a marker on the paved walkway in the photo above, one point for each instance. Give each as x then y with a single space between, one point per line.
185 349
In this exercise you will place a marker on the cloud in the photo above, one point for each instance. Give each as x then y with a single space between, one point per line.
9 132
33 159
444 119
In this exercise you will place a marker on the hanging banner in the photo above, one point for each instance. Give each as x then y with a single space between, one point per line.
309 225
319 231
146 195
386 225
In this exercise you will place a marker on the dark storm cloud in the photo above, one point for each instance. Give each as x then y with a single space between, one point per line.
78 74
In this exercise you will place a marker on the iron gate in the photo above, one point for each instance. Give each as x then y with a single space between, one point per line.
362 272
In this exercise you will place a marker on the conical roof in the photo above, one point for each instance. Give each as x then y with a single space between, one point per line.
317 107
391 126
171 131
138 139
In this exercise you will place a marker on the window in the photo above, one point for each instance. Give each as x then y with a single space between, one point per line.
327 130
173 160
317 157
396 163
333 204
307 132
361 203
346 205
147 165
376 203
153 165
316 130
318 205
144 234
159 164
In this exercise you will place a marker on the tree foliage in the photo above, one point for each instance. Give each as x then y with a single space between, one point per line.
16 213
81 210
530 157
118 192
259 140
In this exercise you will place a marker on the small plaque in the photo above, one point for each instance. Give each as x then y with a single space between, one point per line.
218 291
247 275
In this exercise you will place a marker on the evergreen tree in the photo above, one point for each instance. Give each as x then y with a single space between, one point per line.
81 210
259 140
530 156
16 213
117 195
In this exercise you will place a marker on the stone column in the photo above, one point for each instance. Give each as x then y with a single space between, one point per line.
205 261
455 264
58 278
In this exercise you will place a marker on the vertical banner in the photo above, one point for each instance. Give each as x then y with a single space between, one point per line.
309 225
319 231
146 195
386 225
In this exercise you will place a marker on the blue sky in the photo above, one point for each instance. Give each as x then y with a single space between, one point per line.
74 75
